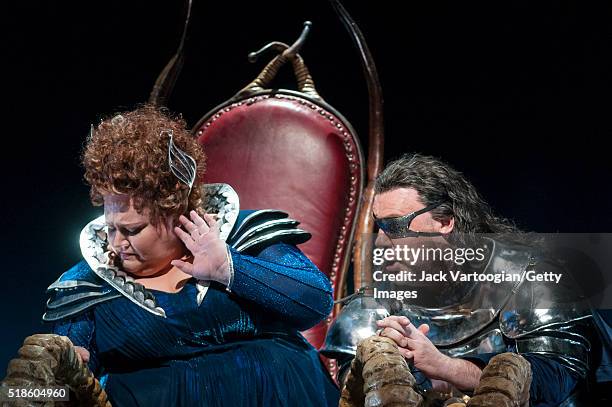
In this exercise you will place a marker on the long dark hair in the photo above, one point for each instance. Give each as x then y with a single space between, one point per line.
436 181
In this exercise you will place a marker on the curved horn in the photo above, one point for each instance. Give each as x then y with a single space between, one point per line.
167 77
286 53
363 245
297 45
278 46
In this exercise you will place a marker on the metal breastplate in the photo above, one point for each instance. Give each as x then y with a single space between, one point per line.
455 326
488 341
547 319
499 317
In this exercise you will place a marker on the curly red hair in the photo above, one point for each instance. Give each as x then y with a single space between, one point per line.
128 154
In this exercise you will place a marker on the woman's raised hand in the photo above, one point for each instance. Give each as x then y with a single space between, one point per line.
210 256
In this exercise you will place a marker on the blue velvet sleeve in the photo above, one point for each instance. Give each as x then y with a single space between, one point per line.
281 279
80 330
551 381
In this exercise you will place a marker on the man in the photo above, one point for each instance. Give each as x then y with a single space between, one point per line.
453 328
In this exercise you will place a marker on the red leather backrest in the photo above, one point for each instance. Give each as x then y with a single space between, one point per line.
285 152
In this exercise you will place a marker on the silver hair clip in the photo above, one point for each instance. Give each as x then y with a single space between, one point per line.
117 119
182 165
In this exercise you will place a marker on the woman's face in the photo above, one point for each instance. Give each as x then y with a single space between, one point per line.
143 249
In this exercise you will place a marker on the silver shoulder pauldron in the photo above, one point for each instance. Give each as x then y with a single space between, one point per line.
551 319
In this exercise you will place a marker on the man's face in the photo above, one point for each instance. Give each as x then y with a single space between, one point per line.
400 202
143 249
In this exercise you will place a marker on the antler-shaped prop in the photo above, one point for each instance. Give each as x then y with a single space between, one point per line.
505 382
379 376
51 360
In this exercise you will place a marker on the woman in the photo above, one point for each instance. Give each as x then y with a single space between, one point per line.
176 306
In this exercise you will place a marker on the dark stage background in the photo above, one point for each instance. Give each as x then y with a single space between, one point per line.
514 94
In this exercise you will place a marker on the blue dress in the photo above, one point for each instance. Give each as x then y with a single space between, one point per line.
238 348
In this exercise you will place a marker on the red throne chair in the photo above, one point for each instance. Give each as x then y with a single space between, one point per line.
292 151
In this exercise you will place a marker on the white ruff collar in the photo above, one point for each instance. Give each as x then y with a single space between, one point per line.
220 199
